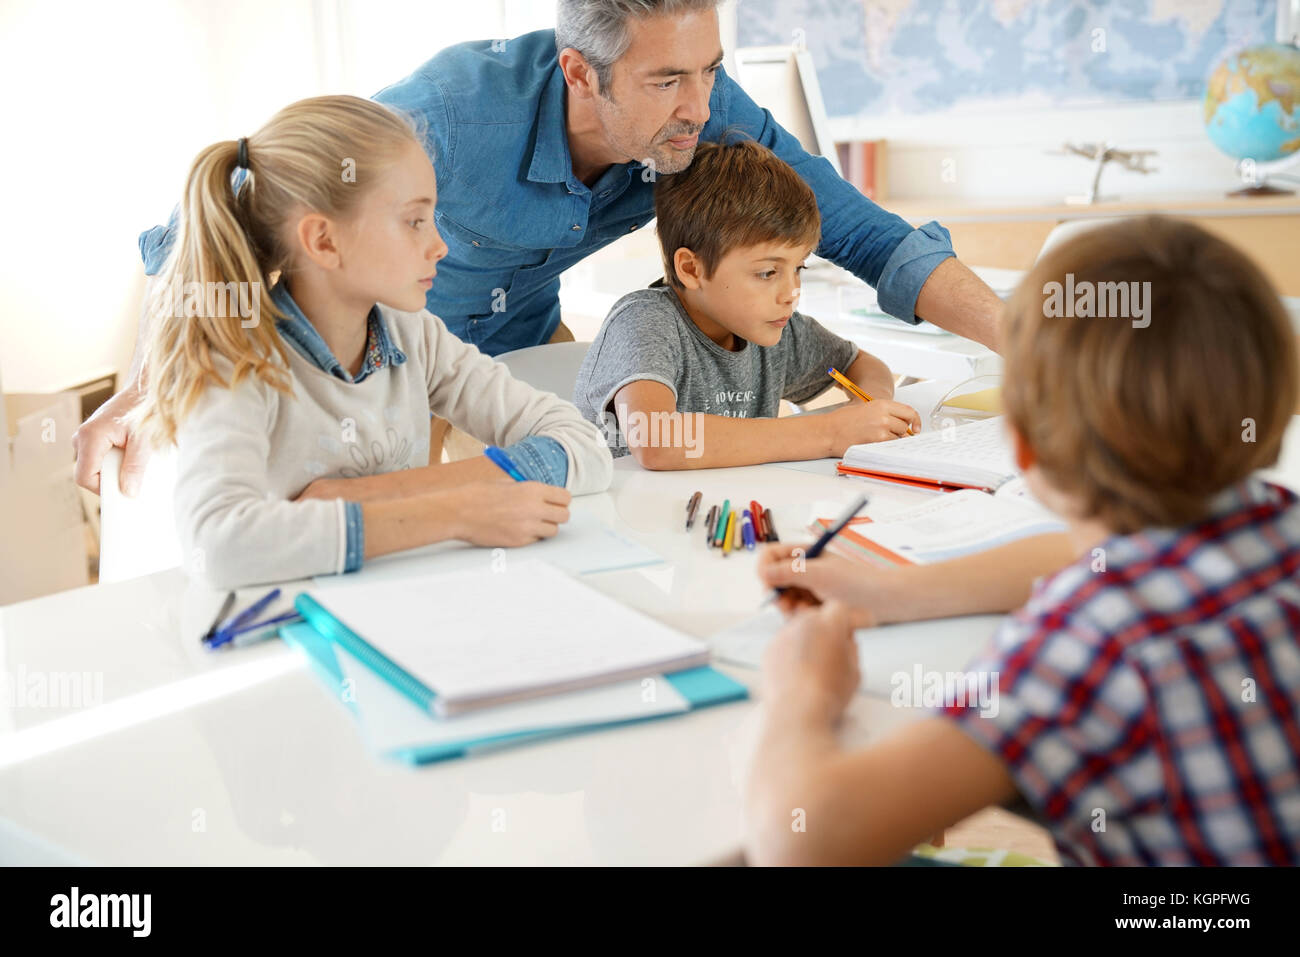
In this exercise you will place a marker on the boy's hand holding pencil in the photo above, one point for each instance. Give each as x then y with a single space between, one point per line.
876 420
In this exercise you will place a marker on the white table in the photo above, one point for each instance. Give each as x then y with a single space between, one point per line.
245 758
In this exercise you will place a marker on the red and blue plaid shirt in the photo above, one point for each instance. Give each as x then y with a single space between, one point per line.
1148 701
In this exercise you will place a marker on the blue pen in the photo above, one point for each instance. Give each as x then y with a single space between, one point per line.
227 631
497 457
747 531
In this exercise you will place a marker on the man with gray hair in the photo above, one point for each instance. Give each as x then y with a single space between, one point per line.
546 148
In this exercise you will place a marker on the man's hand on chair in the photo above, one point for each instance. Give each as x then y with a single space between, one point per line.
105 430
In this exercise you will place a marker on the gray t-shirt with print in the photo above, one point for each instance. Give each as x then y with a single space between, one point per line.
648 335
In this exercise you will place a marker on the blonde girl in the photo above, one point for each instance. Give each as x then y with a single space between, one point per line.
293 365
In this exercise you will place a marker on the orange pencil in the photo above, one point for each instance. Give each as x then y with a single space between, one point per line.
848 384
853 389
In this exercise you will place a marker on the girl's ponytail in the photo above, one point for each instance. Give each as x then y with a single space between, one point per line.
211 298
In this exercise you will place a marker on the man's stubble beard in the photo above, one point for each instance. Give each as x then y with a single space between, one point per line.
665 159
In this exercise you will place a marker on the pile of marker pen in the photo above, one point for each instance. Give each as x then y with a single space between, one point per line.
727 528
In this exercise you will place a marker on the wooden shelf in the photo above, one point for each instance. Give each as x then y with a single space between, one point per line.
1008 234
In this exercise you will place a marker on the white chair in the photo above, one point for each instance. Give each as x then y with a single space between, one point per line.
552 367
1064 232
137 536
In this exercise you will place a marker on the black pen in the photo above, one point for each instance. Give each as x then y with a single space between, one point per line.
691 508
710 523
221 616
817 547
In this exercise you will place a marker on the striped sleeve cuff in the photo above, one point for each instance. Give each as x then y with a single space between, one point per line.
356 536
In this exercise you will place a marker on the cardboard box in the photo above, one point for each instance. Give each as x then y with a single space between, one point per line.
42 534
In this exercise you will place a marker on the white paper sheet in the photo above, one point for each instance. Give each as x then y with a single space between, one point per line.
389 722
529 627
582 546
956 524
942 645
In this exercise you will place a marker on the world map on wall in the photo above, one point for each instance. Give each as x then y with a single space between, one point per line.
915 56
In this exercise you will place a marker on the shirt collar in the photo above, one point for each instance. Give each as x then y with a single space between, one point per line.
302 335
551 160
1247 493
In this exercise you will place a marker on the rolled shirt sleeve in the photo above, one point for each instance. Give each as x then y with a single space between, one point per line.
882 249
479 396
541 459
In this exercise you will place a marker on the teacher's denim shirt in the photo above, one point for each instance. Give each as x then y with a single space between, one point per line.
513 215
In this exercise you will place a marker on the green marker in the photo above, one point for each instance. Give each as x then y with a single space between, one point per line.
722 523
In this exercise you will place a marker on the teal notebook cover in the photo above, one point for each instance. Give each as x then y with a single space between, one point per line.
700 687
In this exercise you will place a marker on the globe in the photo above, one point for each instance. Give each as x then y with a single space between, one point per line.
1252 104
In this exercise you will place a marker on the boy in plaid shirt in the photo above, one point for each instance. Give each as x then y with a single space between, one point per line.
1147 701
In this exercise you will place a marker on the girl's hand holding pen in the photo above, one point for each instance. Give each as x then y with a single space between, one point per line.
507 514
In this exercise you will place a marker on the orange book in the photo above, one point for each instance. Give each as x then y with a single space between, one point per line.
850 544
934 485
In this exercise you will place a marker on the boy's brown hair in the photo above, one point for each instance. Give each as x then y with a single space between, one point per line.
732 195
1145 419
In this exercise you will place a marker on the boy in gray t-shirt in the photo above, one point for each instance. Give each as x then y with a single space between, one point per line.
690 373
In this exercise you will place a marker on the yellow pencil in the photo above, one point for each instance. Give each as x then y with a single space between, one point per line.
848 384
726 536
853 389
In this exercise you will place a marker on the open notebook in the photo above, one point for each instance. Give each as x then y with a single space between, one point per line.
457 642
974 455
943 527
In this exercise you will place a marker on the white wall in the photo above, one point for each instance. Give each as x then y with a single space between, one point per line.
1003 155
107 104
105 107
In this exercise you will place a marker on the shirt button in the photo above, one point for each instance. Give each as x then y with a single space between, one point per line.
605 192
474 242
632 227
577 228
